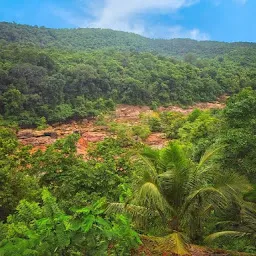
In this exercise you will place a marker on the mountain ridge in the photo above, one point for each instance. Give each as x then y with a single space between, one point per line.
98 38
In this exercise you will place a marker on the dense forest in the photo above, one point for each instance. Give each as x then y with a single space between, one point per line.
60 85
91 39
198 192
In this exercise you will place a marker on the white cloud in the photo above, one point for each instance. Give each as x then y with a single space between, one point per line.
180 32
116 11
126 16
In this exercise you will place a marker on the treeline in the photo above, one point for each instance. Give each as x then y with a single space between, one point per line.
60 85
91 39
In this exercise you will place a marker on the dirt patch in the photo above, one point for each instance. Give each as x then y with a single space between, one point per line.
41 139
91 132
150 247
188 110
129 113
157 140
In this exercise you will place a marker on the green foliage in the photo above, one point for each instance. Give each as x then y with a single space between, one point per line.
179 192
61 85
12 102
15 183
163 191
172 122
155 124
42 123
37 230
199 131
193 189
238 243
61 113
87 39
142 131
48 230
128 134
251 196
76 182
239 133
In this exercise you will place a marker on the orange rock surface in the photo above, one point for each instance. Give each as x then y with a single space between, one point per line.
92 133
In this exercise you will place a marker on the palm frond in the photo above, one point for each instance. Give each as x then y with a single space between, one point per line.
201 191
150 172
207 156
217 235
231 183
207 208
151 197
226 222
173 179
174 156
139 214
175 243
152 154
248 214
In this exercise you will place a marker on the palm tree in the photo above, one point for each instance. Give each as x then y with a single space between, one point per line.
180 193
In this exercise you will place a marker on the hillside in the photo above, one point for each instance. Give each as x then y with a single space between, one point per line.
113 144
89 38
60 85
103 179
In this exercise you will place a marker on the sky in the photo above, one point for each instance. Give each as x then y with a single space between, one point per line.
218 20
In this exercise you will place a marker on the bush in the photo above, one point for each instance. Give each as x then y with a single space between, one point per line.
41 123
155 124
142 131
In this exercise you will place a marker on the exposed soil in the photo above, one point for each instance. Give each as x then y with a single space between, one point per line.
88 131
156 140
91 132
128 113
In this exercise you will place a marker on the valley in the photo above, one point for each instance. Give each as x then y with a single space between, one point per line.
114 144
90 132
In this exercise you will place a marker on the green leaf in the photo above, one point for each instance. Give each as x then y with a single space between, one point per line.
87 223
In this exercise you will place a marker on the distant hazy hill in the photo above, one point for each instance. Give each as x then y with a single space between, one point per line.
88 38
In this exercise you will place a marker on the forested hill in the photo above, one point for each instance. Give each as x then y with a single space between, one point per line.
60 85
62 74
88 38
123 196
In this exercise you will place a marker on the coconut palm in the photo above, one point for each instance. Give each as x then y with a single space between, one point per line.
180 193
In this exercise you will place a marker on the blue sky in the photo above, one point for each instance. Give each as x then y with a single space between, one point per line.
221 20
